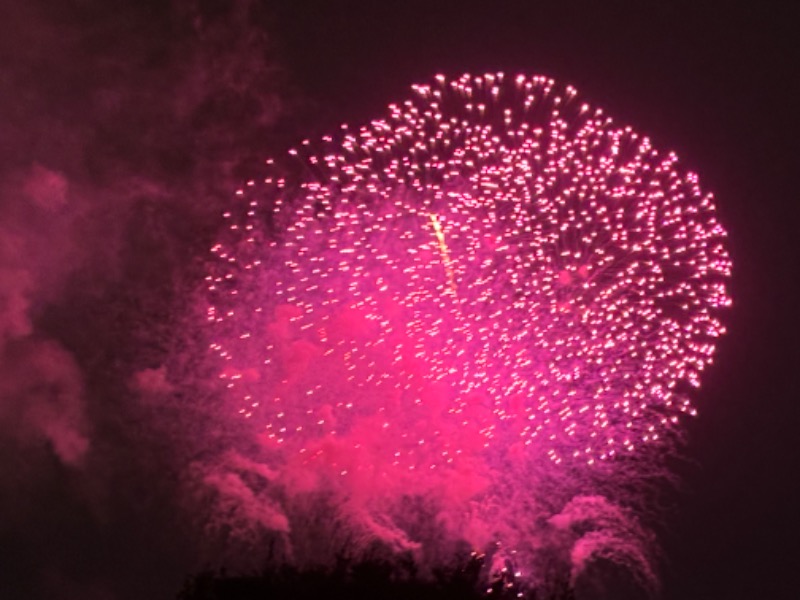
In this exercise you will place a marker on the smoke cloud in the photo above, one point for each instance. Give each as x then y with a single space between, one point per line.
124 127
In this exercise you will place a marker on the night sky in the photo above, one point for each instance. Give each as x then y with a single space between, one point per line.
124 127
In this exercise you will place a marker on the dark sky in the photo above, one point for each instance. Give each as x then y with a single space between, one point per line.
124 123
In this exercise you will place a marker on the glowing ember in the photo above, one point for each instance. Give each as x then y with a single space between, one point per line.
494 267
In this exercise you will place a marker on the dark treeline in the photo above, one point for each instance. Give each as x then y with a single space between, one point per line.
365 581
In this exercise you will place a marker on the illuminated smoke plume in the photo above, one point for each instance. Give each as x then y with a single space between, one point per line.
121 124
41 387
492 287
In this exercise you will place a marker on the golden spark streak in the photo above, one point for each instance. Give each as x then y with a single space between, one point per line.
445 253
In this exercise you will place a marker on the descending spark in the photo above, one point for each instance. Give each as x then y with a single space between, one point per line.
437 227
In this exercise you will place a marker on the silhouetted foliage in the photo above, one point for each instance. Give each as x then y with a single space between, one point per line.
368 580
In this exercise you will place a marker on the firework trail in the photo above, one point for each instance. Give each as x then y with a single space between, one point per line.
495 273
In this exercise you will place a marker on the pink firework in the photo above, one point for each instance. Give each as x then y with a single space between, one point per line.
495 266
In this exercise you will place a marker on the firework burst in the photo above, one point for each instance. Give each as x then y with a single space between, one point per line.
494 267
